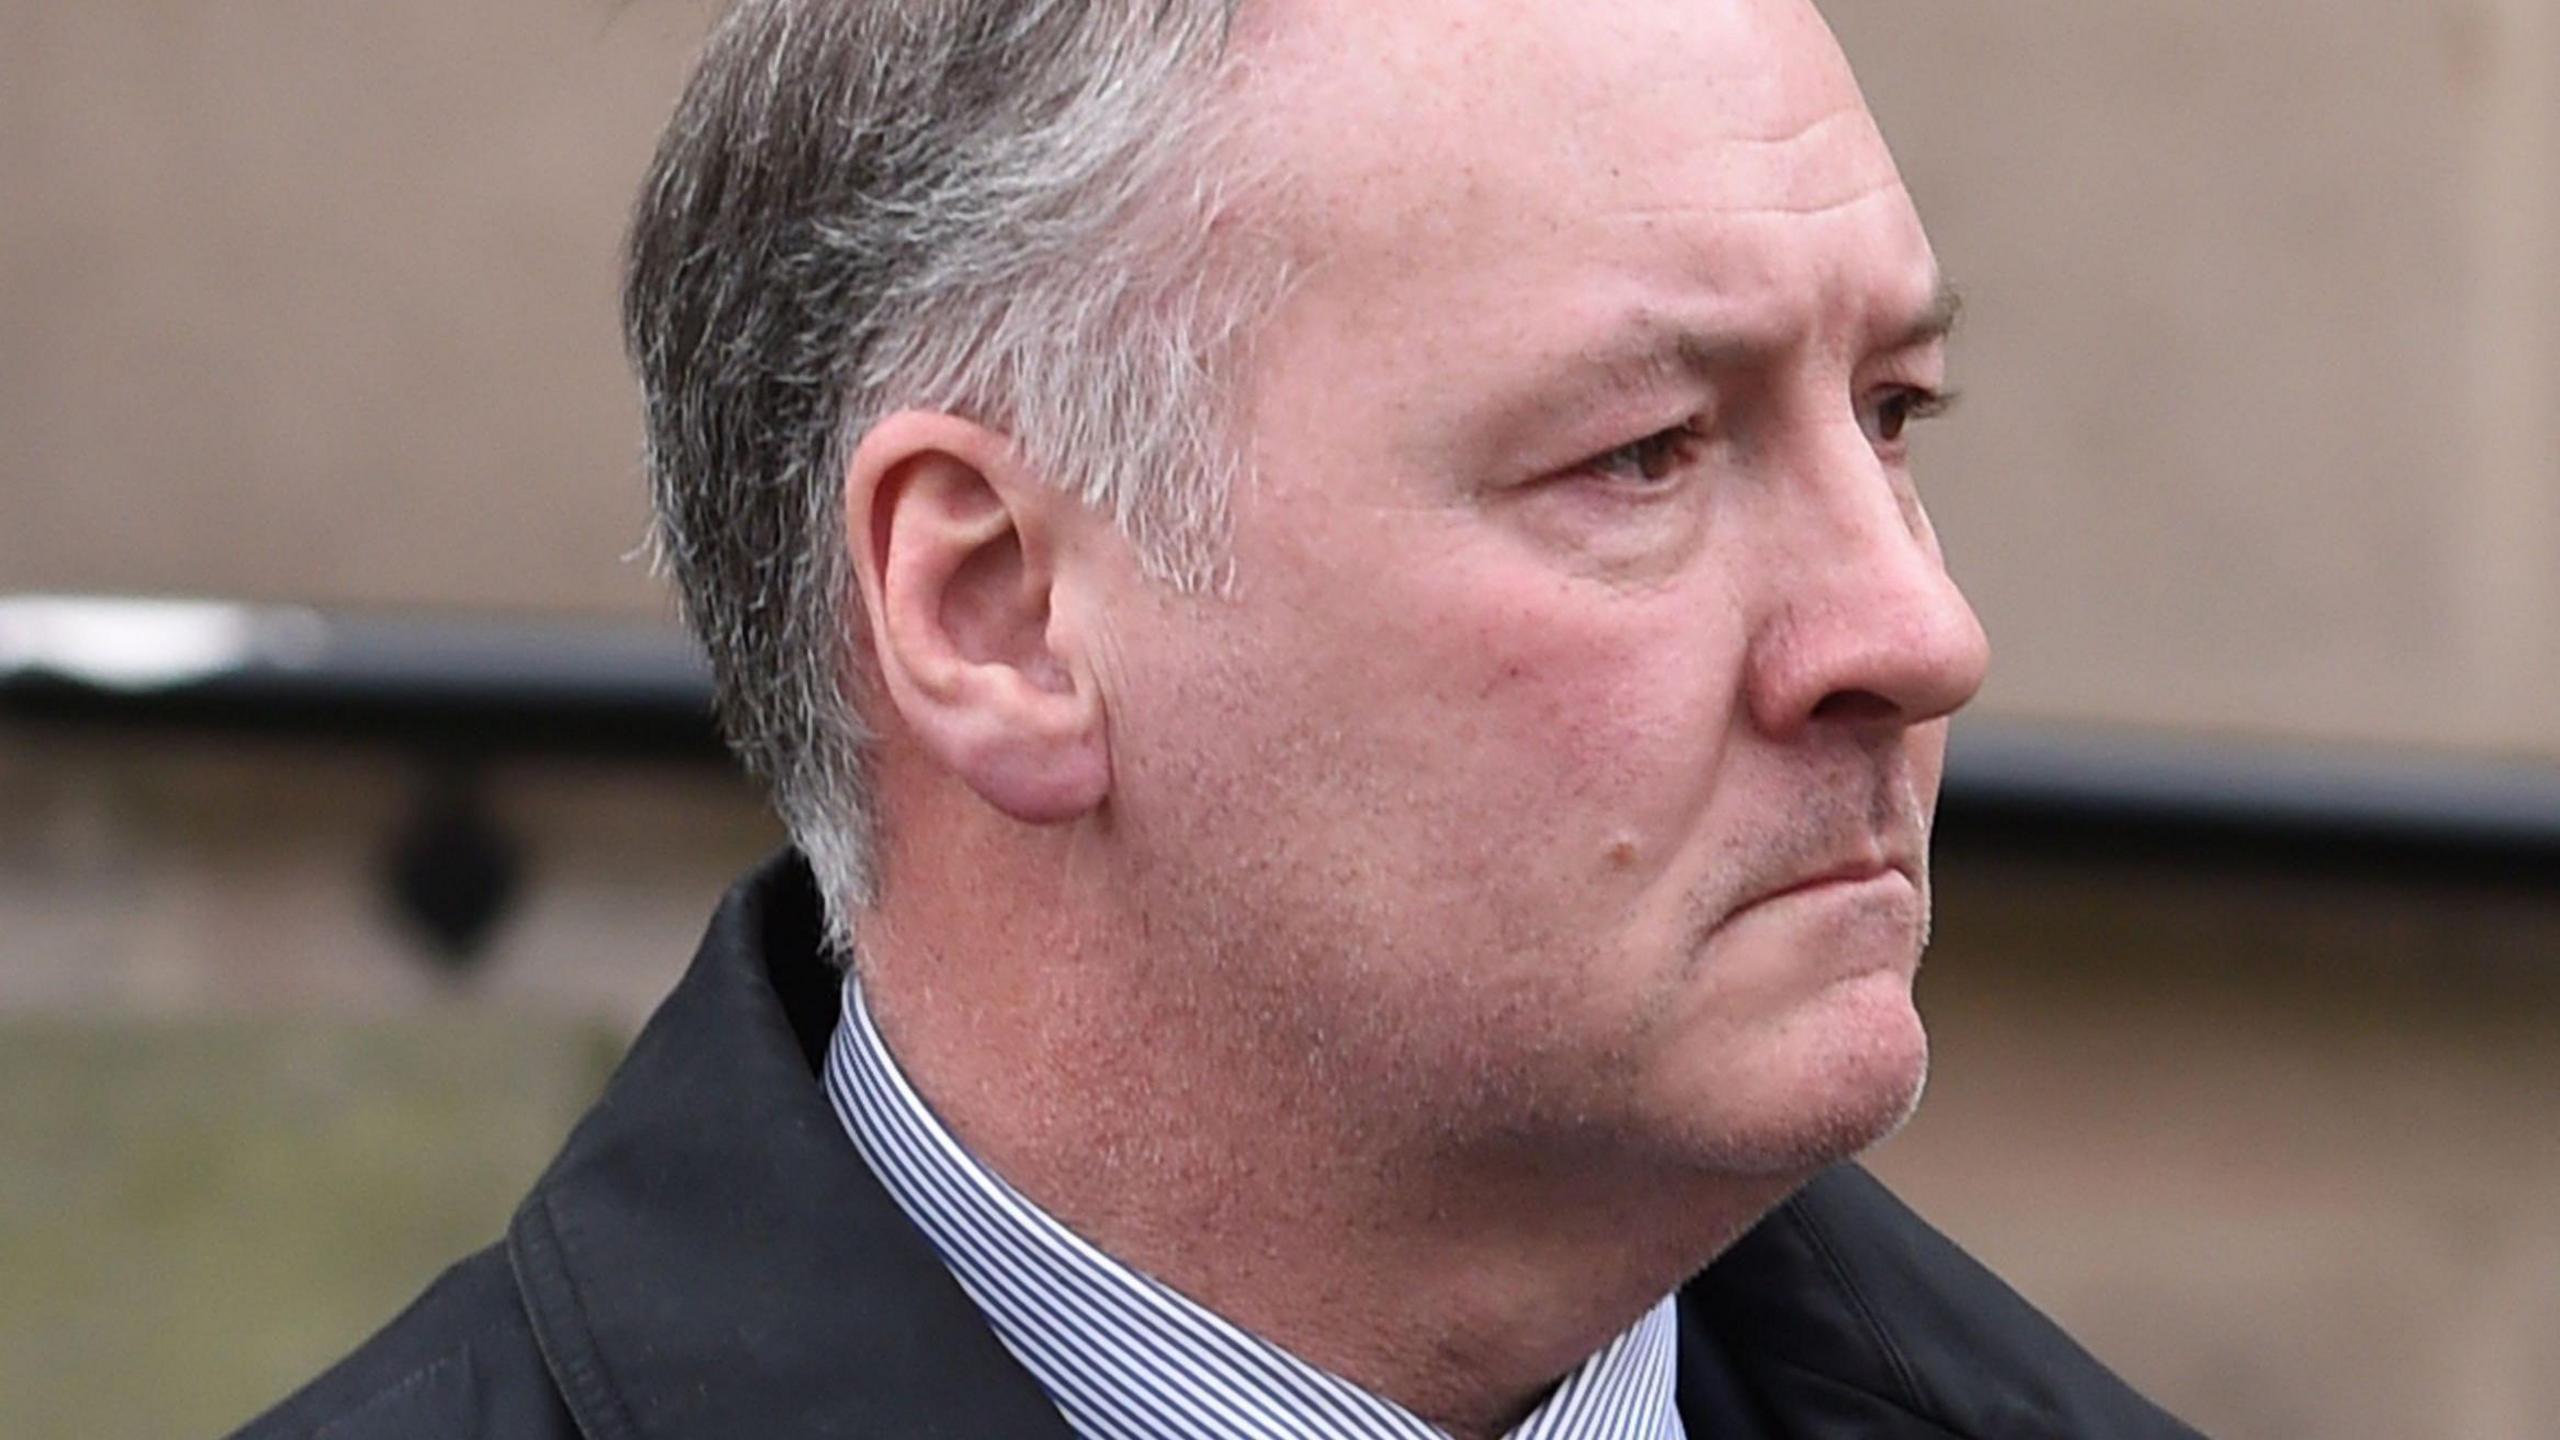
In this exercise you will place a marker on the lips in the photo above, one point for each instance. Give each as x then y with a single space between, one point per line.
1847 875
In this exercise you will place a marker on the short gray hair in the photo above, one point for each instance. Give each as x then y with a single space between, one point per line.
998 208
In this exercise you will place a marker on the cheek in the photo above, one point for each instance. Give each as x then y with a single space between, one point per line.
1450 716
1613 708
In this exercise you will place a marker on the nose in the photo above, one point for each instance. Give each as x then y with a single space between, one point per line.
1864 628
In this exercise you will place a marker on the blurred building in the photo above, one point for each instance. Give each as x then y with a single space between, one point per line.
314 303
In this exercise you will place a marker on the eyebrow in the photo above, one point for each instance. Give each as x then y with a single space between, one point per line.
1659 351
1694 352
1935 322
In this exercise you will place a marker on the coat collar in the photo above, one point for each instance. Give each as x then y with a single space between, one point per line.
709 1257
1849 1315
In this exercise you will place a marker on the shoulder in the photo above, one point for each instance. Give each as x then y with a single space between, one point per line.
459 1363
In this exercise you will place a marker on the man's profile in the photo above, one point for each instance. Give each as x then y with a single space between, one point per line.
1333 598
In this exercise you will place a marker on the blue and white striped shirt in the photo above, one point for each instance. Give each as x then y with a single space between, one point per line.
1124 1356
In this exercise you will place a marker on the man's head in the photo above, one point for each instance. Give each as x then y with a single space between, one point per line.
1554 770
997 208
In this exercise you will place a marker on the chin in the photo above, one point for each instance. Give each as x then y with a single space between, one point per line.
1831 1084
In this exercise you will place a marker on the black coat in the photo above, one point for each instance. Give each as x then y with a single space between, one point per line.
709 1259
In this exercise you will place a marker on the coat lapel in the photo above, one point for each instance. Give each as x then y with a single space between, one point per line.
709 1257
1848 1315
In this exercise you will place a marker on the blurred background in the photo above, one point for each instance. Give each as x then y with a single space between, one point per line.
321 921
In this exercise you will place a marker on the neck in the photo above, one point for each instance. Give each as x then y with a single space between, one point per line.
1461 1280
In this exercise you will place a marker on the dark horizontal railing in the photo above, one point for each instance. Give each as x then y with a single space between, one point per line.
488 688
2390 814
483 687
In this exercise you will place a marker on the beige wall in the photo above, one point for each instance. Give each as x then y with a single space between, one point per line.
315 300
2281 1148
2266 298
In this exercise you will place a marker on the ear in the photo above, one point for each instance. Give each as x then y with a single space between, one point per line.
958 552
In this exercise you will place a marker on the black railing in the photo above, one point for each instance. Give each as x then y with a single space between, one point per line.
468 690
478 687
2400 815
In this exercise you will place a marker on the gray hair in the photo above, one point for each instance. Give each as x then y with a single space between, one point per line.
997 208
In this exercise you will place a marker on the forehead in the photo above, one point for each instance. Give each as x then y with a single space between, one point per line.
1656 142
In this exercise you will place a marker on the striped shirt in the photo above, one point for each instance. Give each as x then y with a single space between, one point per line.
1127 1358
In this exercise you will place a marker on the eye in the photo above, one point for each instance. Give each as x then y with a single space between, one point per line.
1647 463
1895 407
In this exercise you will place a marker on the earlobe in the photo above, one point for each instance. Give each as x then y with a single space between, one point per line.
960 557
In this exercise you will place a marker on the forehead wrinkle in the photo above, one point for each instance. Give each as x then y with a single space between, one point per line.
1884 187
1382 111
1850 110
1375 177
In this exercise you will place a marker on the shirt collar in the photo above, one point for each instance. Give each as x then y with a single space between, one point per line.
1127 1358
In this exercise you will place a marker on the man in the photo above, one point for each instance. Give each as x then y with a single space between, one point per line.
1334 597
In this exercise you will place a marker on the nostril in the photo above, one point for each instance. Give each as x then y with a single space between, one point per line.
1855 706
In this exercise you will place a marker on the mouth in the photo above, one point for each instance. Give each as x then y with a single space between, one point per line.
1865 913
1851 879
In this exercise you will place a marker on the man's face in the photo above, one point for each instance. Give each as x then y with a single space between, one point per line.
1584 603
